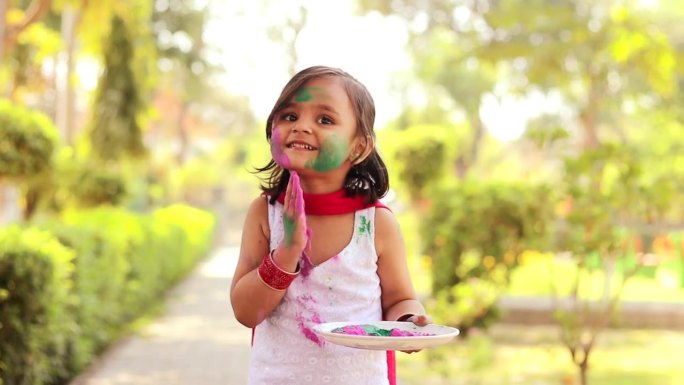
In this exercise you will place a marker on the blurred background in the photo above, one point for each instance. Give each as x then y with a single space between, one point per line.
535 149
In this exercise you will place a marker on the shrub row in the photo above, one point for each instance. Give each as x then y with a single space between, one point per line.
70 286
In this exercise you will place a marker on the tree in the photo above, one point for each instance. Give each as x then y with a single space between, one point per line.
28 140
114 130
9 33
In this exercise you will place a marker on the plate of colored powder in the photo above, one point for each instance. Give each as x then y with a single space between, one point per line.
385 335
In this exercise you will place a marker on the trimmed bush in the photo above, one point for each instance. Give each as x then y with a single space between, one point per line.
35 296
27 141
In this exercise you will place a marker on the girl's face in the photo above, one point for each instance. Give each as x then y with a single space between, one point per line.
316 130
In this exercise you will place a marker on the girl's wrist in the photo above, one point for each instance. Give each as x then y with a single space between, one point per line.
274 276
286 260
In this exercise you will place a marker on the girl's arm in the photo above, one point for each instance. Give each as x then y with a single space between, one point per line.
398 296
252 299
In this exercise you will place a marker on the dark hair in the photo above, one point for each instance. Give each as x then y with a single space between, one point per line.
368 178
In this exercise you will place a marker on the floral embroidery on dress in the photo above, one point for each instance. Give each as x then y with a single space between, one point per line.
364 227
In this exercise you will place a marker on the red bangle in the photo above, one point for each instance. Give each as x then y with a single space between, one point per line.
273 276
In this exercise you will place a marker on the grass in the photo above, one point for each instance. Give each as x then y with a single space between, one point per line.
509 355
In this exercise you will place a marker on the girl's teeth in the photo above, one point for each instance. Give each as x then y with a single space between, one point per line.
303 146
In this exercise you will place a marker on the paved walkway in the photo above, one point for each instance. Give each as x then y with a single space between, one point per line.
197 341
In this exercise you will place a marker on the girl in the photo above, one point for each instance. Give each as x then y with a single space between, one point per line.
318 246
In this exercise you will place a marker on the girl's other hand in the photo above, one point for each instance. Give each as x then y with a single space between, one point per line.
294 220
418 320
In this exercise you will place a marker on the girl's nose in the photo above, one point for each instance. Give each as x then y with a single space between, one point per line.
301 127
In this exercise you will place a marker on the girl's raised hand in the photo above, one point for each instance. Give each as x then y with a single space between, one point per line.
294 221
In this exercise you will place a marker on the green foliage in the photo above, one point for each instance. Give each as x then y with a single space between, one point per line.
35 298
65 297
475 232
420 156
114 131
94 186
27 141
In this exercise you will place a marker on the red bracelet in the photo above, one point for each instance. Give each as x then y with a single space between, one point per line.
273 276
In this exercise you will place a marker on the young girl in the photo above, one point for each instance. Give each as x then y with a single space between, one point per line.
318 246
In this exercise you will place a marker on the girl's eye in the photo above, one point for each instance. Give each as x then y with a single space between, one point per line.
325 120
289 117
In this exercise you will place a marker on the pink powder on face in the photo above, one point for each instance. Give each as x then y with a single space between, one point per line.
277 152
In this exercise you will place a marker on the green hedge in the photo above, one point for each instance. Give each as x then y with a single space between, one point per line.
110 263
35 298
473 233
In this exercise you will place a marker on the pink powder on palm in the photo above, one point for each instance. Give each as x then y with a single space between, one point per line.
305 263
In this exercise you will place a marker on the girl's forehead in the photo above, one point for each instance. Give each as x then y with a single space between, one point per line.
319 89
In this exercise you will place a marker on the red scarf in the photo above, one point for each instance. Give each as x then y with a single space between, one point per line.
333 203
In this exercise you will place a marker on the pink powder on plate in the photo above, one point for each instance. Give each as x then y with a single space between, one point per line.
371 330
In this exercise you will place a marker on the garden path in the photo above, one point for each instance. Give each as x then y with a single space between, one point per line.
195 341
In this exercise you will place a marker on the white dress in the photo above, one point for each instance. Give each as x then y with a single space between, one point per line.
344 288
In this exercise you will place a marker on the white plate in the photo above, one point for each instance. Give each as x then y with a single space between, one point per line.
440 335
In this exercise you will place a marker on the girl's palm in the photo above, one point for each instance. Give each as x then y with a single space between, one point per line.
294 218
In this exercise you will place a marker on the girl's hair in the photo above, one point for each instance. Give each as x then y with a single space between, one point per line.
368 178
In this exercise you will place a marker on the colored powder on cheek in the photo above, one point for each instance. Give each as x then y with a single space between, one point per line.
277 152
331 155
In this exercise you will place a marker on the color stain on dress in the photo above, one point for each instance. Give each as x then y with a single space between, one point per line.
305 265
308 303
365 226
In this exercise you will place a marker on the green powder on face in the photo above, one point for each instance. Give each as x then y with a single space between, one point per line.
331 155
303 95
307 94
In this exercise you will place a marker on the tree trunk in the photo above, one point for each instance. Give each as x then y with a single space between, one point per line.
65 108
3 26
9 208
183 137
31 198
583 371
468 158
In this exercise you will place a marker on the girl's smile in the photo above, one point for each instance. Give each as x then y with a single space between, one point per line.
303 146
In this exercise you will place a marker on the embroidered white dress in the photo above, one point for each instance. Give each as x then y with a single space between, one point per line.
286 350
